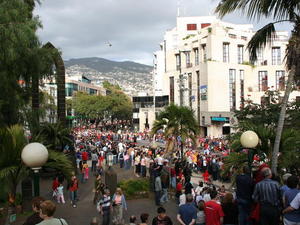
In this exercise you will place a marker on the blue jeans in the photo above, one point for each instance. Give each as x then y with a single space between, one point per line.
164 197
244 207
73 197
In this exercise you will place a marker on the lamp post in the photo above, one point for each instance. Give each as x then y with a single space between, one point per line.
35 155
110 175
249 140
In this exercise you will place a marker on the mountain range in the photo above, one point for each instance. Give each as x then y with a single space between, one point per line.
131 76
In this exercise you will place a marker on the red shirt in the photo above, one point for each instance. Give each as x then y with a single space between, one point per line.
84 156
213 213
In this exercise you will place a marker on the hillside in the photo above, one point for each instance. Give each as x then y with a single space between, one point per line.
132 77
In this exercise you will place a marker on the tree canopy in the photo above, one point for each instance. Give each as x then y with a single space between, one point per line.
115 105
22 57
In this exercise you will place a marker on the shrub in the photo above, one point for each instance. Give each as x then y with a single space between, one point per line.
135 187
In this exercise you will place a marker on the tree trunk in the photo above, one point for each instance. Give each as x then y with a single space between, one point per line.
281 119
61 90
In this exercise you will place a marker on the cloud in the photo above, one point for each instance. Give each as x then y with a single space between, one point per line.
133 27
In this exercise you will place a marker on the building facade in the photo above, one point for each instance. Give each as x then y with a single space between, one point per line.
207 68
145 110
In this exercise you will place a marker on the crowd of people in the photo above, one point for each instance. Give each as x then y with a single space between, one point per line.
258 197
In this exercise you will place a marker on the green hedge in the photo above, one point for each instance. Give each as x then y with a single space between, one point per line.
135 188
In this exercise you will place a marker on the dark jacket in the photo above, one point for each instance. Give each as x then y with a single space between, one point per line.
33 219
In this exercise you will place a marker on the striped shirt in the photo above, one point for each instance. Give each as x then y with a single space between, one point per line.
267 192
105 202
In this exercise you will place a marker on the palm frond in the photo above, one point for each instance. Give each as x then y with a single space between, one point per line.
60 162
260 39
278 9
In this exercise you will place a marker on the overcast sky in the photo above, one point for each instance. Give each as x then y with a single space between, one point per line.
83 28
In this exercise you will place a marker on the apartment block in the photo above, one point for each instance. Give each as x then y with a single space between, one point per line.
204 64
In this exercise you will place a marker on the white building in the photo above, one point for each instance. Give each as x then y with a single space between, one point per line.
206 67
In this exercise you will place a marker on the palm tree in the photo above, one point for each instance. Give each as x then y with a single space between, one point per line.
176 121
53 136
281 11
12 170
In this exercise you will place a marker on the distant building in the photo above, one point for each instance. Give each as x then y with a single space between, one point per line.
82 84
144 112
76 83
204 64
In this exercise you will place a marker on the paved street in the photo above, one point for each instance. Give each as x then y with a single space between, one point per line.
86 210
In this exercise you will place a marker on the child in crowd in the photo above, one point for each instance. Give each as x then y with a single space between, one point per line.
60 194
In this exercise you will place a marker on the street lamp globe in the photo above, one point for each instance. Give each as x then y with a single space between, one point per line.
249 139
34 155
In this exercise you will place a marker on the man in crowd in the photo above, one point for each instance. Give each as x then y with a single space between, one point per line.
213 210
105 207
268 194
244 191
187 213
162 217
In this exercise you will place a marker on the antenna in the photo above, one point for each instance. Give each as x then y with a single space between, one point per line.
178 8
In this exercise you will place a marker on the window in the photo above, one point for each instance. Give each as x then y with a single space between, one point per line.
190 79
260 56
191 26
196 52
240 54
226 52
242 88
276 56
178 61
232 36
198 95
204 52
172 89
188 59
262 81
244 38
232 89
203 25
280 80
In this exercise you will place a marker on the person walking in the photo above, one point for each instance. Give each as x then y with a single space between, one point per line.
119 204
104 206
158 190
73 188
94 157
60 194
267 193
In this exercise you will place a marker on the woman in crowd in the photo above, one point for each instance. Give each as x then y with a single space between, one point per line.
118 203
230 210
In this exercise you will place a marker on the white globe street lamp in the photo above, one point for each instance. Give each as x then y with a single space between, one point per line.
35 155
249 140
